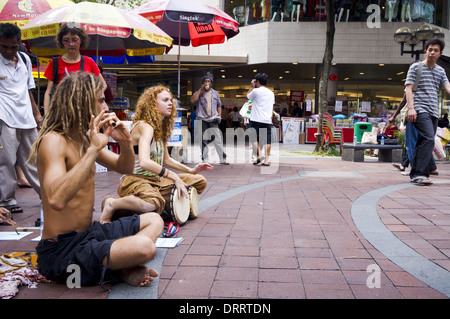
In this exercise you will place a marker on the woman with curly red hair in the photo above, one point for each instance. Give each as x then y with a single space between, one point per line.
151 129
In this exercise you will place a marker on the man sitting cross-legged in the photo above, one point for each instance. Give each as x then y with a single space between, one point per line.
73 137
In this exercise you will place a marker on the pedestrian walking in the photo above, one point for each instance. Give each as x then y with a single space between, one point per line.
19 116
209 112
410 142
423 108
263 100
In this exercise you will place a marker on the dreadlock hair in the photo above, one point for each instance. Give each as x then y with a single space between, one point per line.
71 108
147 110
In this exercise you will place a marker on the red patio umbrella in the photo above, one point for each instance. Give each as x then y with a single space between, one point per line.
189 23
20 12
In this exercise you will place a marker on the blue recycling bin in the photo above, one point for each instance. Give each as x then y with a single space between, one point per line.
359 128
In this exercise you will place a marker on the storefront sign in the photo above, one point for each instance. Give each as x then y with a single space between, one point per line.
175 139
366 107
297 96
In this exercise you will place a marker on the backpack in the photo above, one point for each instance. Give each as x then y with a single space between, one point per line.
24 60
55 73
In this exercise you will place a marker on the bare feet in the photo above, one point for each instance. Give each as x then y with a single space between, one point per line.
107 210
138 276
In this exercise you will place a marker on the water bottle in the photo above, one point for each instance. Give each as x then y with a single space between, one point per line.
382 140
355 140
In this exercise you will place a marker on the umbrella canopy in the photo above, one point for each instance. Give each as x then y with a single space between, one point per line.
20 12
109 28
190 22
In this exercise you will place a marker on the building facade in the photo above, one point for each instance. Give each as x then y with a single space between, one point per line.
367 63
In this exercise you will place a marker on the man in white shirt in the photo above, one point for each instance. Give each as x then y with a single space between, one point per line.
263 100
19 116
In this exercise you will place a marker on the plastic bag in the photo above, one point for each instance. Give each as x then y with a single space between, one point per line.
369 138
245 110
438 152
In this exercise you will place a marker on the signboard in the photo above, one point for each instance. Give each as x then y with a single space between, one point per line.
366 107
338 106
291 129
297 96
175 139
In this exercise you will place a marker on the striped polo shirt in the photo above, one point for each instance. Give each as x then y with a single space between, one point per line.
426 98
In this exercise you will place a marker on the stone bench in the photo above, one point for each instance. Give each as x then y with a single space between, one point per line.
386 153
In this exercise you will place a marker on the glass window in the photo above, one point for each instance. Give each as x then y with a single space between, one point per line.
248 12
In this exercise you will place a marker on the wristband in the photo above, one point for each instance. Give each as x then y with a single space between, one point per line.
163 170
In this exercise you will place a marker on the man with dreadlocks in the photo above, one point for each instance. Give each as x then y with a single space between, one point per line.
73 137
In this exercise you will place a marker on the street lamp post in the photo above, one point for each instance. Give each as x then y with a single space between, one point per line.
425 32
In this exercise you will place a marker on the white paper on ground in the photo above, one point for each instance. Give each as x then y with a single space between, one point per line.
168 242
12 235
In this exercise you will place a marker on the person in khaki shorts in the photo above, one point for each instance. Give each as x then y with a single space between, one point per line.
151 180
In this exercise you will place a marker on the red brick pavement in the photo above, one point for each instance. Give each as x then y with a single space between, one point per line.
291 239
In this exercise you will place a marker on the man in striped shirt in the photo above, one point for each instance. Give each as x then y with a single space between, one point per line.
423 108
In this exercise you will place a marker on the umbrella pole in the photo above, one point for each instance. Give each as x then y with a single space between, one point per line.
96 51
179 46
39 86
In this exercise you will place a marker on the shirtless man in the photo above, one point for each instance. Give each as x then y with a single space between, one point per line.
73 137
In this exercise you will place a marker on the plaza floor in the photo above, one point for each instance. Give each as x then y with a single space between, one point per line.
306 227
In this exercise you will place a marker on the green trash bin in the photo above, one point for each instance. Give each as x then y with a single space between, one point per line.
359 129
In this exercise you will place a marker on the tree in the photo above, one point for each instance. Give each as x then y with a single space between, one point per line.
326 66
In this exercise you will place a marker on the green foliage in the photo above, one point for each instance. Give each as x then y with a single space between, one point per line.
401 139
327 151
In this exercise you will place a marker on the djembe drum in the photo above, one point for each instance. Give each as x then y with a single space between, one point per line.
177 207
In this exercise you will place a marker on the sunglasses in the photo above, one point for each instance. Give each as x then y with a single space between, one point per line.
71 41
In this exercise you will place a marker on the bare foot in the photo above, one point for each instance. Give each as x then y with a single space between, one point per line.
107 210
138 276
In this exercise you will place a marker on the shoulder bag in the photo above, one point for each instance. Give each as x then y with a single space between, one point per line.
416 84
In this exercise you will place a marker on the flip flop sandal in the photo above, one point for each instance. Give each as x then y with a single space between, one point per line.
422 181
23 186
14 208
264 164
170 229
434 173
259 160
398 166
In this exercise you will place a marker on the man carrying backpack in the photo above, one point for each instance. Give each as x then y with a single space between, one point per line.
19 116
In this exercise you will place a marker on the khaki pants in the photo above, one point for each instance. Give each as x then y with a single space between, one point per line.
156 191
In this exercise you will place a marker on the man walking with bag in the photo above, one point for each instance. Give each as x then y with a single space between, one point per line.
423 107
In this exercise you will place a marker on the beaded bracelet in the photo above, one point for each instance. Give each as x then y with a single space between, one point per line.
163 170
